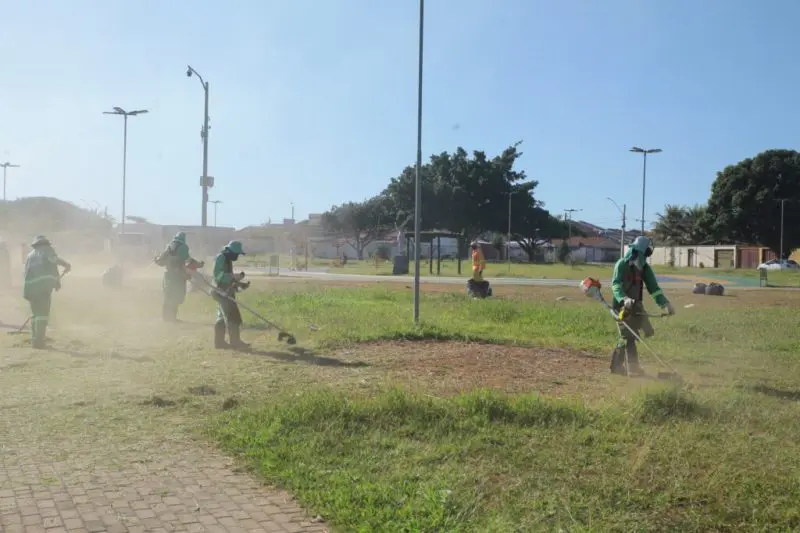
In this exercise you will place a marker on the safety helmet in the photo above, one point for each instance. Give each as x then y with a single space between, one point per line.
180 237
235 247
642 245
39 241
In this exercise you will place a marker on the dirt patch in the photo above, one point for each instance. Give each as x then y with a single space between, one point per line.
202 390
453 367
230 403
158 401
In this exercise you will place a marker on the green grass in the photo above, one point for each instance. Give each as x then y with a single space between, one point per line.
721 455
348 315
449 268
486 462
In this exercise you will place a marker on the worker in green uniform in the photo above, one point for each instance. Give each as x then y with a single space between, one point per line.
41 279
175 259
632 274
226 285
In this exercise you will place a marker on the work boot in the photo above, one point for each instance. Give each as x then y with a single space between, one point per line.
169 311
618 362
236 340
633 359
39 329
219 336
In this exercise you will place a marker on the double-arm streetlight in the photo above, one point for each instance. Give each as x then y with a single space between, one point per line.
6 166
644 152
205 182
125 115
216 203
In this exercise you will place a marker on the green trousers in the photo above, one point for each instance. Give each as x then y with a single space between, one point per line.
40 311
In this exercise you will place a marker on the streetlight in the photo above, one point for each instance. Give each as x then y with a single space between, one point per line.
417 185
125 115
6 166
622 235
215 202
205 182
644 152
508 238
782 201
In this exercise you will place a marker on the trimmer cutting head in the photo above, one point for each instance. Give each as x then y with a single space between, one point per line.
288 337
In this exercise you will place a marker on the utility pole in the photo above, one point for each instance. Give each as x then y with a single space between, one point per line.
568 218
205 181
783 202
417 184
644 152
622 235
292 204
6 166
508 238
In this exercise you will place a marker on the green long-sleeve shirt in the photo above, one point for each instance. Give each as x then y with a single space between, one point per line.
630 281
41 270
223 271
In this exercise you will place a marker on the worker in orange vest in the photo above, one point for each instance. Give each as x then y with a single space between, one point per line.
478 262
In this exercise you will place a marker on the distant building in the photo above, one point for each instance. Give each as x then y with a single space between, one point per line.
586 249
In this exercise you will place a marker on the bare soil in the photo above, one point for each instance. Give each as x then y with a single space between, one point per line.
447 368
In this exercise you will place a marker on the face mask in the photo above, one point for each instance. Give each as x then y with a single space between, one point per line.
638 261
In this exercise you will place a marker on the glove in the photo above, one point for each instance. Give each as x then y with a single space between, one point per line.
239 276
669 309
244 285
58 286
628 303
201 264
67 269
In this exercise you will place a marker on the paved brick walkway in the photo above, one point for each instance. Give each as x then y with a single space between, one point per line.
190 490
61 471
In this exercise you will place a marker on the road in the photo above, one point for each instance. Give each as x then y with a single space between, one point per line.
445 280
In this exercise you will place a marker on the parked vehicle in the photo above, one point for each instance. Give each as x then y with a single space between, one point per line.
784 264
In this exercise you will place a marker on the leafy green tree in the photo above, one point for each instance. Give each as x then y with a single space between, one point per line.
745 201
564 251
465 194
360 222
499 244
532 225
681 226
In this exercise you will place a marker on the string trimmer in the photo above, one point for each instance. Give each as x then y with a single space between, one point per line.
591 288
283 335
22 327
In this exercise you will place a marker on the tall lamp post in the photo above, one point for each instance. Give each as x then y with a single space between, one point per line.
508 237
622 211
417 184
205 181
644 152
6 166
215 202
125 115
783 202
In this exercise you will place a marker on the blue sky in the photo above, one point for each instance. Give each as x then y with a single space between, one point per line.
314 101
